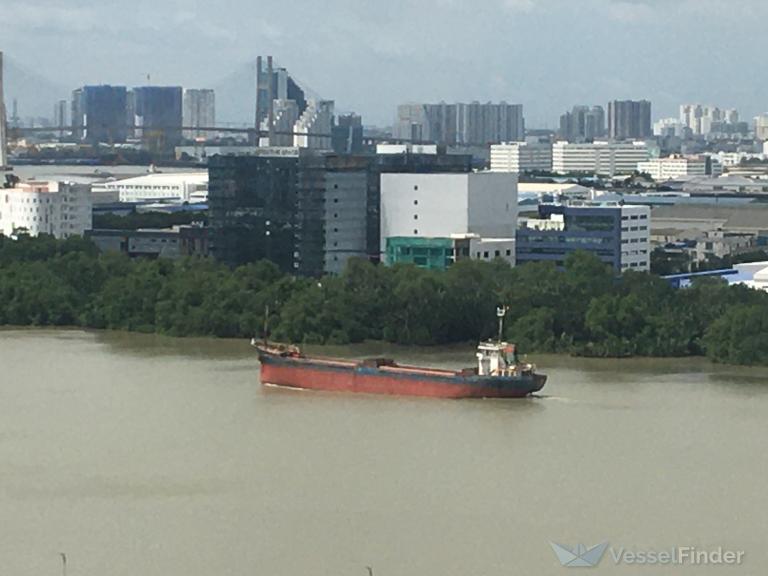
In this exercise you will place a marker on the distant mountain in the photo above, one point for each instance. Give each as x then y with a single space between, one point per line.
236 96
35 94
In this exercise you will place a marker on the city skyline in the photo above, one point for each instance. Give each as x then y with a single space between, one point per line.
343 50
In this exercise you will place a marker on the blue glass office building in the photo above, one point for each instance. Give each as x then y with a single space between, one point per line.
595 229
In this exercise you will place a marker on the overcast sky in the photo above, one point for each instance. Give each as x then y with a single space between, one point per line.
369 56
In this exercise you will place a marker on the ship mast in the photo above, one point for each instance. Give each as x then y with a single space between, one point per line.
266 323
501 311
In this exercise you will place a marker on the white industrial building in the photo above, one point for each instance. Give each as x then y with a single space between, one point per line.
61 209
635 238
444 205
521 157
604 158
168 187
676 166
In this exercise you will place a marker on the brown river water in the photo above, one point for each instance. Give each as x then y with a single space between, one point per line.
142 455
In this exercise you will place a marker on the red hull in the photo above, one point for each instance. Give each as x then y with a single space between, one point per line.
308 374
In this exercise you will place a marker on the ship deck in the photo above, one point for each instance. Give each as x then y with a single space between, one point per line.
340 363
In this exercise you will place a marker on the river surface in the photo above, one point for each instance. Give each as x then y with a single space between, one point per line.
148 456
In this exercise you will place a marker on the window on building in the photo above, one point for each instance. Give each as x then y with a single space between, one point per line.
415 216
497 253
415 187
509 253
485 254
416 232
415 202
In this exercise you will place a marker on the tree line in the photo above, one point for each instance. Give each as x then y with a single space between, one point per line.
583 309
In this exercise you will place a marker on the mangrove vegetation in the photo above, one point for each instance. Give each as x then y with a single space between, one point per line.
583 309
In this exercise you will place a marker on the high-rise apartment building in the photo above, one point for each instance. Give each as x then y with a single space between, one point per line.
100 114
199 112
272 84
313 128
669 127
3 127
348 134
158 116
583 124
761 127
704 120
285 114
470 124
629 119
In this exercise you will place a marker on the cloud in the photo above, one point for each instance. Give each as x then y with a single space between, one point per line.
524 6
630 12
37 16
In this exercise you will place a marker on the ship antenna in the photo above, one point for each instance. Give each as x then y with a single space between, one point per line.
501 311
266 323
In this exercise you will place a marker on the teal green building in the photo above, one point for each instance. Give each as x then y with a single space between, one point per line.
430 253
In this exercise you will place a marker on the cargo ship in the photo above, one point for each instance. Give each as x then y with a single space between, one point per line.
498 374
